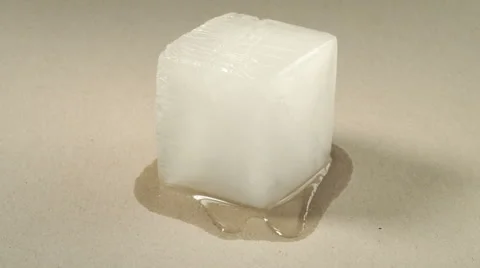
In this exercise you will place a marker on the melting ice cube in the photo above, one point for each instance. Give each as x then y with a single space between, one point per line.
245 108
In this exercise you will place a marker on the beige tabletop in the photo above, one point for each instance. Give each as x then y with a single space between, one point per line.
77 141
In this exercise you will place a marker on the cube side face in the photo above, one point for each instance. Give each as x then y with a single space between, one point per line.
301 138
202 134
241 127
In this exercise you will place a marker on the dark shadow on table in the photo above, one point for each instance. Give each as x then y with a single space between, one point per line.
153 194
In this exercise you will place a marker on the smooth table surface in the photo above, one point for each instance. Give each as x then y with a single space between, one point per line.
77 87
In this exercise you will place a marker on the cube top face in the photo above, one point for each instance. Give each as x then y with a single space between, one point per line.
245 108
245 46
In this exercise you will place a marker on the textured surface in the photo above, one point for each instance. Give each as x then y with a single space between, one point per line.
245 108
77 128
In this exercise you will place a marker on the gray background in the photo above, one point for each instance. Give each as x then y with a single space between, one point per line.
77 87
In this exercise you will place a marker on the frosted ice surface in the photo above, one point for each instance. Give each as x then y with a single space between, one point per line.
245 108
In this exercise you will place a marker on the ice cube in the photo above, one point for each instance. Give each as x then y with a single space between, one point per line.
245 108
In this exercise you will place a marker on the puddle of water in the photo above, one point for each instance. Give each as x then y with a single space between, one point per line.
295 217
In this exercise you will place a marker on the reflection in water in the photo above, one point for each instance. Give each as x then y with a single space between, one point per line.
296 218
287 219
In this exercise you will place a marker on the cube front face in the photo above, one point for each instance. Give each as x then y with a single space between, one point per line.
245 108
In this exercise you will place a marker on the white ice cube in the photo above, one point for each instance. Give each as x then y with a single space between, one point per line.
245 108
